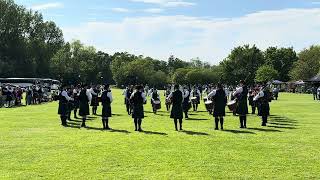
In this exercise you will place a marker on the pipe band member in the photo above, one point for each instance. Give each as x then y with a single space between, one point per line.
176 98
219 97
186 105
138 99
106 100
263 98
84 99
241 94
64 98
195 93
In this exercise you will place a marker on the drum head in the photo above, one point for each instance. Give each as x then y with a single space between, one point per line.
208 102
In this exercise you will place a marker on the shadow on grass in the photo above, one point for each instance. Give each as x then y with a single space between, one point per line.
75 120
282 122
99 115
73 127
239 132
196 119
264 130
72 123
282 127
154 133
195 133
120 131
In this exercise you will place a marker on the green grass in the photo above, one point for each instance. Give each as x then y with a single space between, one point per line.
34 145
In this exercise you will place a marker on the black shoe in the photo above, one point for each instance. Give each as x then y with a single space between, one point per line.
83 125
140 130
216 128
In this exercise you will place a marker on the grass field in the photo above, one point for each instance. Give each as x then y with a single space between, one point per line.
33 145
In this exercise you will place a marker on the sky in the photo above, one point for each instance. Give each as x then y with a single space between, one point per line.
205 29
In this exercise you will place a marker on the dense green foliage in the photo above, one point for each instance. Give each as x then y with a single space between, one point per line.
34 145
266 73
32 47
308 64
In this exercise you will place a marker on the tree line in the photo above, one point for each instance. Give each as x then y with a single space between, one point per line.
33 47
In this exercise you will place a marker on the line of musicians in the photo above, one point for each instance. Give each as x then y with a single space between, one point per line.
179 99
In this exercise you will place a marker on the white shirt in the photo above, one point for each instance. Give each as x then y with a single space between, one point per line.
198 92
92 91
318 90
65 94
238 91
258 96
89 95
185 94
109 95
214 92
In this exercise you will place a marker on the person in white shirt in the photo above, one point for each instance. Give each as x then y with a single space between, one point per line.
241 95
195 96
63 109
318 92
186 105
106 100
262 98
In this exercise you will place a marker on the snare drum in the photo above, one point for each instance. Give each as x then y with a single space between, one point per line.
194 100
205 99
209 105
232 105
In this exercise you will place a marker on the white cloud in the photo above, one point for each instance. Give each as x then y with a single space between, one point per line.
209 39
122 10
167 3
153 10
46 6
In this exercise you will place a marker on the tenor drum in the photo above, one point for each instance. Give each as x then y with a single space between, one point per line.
157 104
205 99
232 105
209 105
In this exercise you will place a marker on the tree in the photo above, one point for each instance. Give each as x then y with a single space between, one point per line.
242 64
308 64
282 60
266 73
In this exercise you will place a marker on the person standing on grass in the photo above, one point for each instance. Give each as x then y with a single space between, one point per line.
138 98
63 109
241 94
186 105
176 98
220 97
106 100
264 97
84 99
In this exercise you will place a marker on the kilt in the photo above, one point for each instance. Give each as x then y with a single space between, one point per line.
106 111
242 107
138 111
186 105
63 109
84 109
176 112
94 101
219 110
264 109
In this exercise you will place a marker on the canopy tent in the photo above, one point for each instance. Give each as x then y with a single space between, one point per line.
277 82
299 82
315 79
